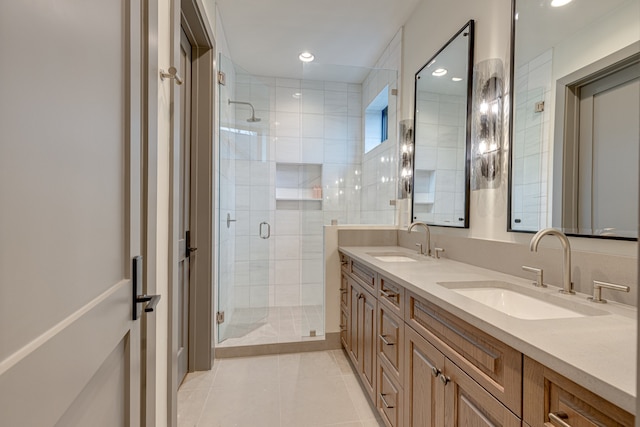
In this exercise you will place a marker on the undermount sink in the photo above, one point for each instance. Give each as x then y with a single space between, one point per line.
394 257
519 302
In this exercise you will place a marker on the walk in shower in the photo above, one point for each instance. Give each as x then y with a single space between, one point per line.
291 160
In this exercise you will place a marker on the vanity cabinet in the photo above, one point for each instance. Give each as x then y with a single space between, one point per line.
495 366
550 395
362 333
439 393
424 367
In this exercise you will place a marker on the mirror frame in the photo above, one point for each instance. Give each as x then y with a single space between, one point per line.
556 149
470 27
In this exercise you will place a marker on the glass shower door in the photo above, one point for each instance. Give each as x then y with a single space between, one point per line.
245 201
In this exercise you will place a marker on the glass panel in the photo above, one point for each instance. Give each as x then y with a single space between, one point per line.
246 204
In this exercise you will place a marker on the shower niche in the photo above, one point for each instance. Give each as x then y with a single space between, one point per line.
298 186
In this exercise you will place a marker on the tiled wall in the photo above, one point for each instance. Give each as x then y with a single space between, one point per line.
532 144
378 182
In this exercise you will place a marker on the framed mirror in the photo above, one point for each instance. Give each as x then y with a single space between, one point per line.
442 135
575 111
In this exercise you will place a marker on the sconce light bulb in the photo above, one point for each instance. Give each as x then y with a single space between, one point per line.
482 147
484 107
494 108
404 148
493 146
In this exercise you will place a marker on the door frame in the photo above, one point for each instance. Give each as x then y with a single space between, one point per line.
189 15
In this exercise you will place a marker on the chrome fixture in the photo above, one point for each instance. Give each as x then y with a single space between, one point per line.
420 249
427 231
253 118
437 252
229 220
597 290
538 271
171 74
567 286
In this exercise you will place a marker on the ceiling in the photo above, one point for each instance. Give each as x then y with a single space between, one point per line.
265 37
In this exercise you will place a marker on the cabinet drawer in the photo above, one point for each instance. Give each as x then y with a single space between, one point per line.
345 263
344 292
493 364
546 392
364 275
390 340
392 295
389 397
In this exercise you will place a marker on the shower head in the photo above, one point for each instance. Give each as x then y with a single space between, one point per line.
253 118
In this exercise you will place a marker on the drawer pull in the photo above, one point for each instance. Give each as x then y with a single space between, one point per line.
445 380
343 291
435 372
360 296
558 418
343 328
384 340
384 401
387 294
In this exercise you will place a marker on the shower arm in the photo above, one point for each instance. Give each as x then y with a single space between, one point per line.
253 111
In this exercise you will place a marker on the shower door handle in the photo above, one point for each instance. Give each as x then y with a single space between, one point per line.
268 233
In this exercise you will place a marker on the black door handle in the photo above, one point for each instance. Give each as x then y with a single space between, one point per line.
152 301
136 279
189 249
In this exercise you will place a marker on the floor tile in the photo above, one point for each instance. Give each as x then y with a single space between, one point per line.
308 365
190 406
315 401
253 404
244 371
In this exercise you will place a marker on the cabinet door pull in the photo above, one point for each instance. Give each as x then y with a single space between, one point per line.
384 401
387 294
558 418
360 296
384 340
445 380
435 372
343 291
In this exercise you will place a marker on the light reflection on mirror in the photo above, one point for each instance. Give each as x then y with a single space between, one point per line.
442 134
556 180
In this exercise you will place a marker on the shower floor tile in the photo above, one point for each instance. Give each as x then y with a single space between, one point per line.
301 389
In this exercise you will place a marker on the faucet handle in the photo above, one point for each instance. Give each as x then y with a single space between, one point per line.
538 271
437 252
597 290
420 251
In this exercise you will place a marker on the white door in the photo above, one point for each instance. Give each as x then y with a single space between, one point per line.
70 100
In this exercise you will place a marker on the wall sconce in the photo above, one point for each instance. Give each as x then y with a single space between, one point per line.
487 129
405 129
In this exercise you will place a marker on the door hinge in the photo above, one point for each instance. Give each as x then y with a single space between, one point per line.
220 317
222 78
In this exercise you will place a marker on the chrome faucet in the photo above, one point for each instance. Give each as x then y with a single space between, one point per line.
426 229
567 286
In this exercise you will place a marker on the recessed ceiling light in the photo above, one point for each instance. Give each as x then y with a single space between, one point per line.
439 72
306 57
297 95
558 3
456 79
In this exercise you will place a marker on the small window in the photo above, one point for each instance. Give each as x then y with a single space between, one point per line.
384 132
376 121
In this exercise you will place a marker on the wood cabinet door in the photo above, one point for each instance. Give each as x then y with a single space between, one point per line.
354 322
389 400
547 392
390 340
423 390
467 404
368 341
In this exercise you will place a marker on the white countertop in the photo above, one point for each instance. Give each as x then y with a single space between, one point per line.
597 352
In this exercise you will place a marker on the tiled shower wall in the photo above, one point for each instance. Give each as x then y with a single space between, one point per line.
532 144
380 165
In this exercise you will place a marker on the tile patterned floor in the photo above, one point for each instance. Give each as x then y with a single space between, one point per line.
288 390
